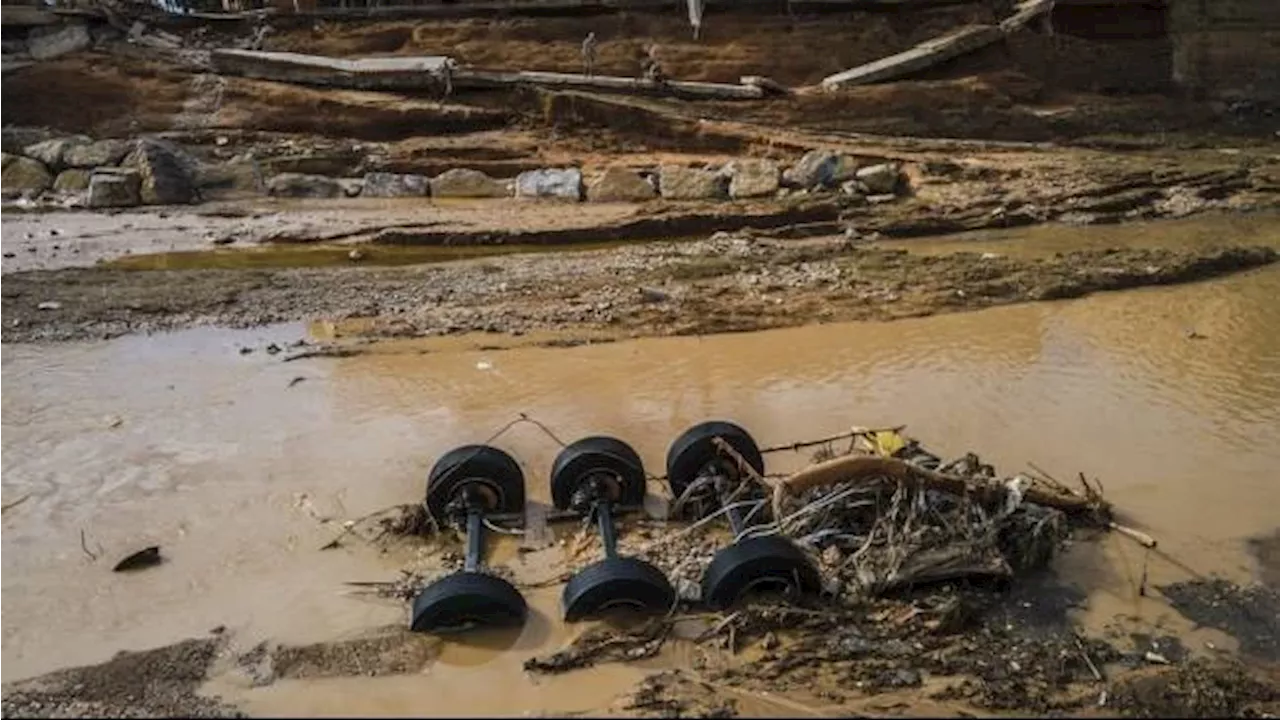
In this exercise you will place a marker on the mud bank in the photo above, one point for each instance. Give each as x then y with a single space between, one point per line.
728 283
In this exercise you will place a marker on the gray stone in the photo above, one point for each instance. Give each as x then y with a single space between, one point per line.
752 178
22 175
816 169
168 174
115 187
466 183
558 183
96 154
303 186
619 184
336 163
351 187
72 181
387 185
53 152
681 183
881 179
45 43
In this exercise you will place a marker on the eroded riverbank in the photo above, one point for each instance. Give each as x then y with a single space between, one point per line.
730 282
230 463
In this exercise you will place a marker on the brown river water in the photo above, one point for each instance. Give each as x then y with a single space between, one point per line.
224 460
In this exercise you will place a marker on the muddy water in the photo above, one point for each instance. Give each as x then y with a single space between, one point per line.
227 462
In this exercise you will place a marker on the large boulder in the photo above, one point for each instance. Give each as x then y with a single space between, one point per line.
335 163
561 184
883 179
115 187
234 177
45 43
24 175
387 185
298 185
752 178
74 180
619 184
168 174
96 154
465 183
682 183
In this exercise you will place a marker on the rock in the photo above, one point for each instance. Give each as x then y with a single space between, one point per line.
96 154
72 181
881 199
618 184
815 169
53 152
168 174
22 174
351 187
881 179
558 183
115 187
383 184
49 305
681 183
355 255
752 178
303 186
45 43
651 295
845 169
466 183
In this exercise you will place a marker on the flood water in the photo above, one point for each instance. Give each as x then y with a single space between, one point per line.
224 460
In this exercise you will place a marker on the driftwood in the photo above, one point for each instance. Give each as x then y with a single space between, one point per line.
854 468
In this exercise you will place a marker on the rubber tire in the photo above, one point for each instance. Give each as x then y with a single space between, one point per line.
622 580
485 599
597 452
454 468
736 567
694 449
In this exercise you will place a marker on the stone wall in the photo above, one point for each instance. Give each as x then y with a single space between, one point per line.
1227 48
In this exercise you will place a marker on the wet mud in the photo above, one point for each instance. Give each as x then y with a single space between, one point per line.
726 284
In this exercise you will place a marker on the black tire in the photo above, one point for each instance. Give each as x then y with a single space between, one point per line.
465 599
743 565
616 582
492 468
693 450
602 453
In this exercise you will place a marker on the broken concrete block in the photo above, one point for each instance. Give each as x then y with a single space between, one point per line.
115 187
620 184
46 43
298 185
682 183
388 185
752 178
465 183
558 183
21 174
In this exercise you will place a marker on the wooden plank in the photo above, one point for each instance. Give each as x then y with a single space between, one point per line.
465 77
920 57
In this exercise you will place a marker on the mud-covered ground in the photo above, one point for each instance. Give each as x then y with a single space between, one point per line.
723 284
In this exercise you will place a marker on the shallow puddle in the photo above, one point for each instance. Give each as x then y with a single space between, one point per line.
229 462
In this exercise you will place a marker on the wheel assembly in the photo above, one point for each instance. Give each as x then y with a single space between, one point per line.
464 486
593 476
699 473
